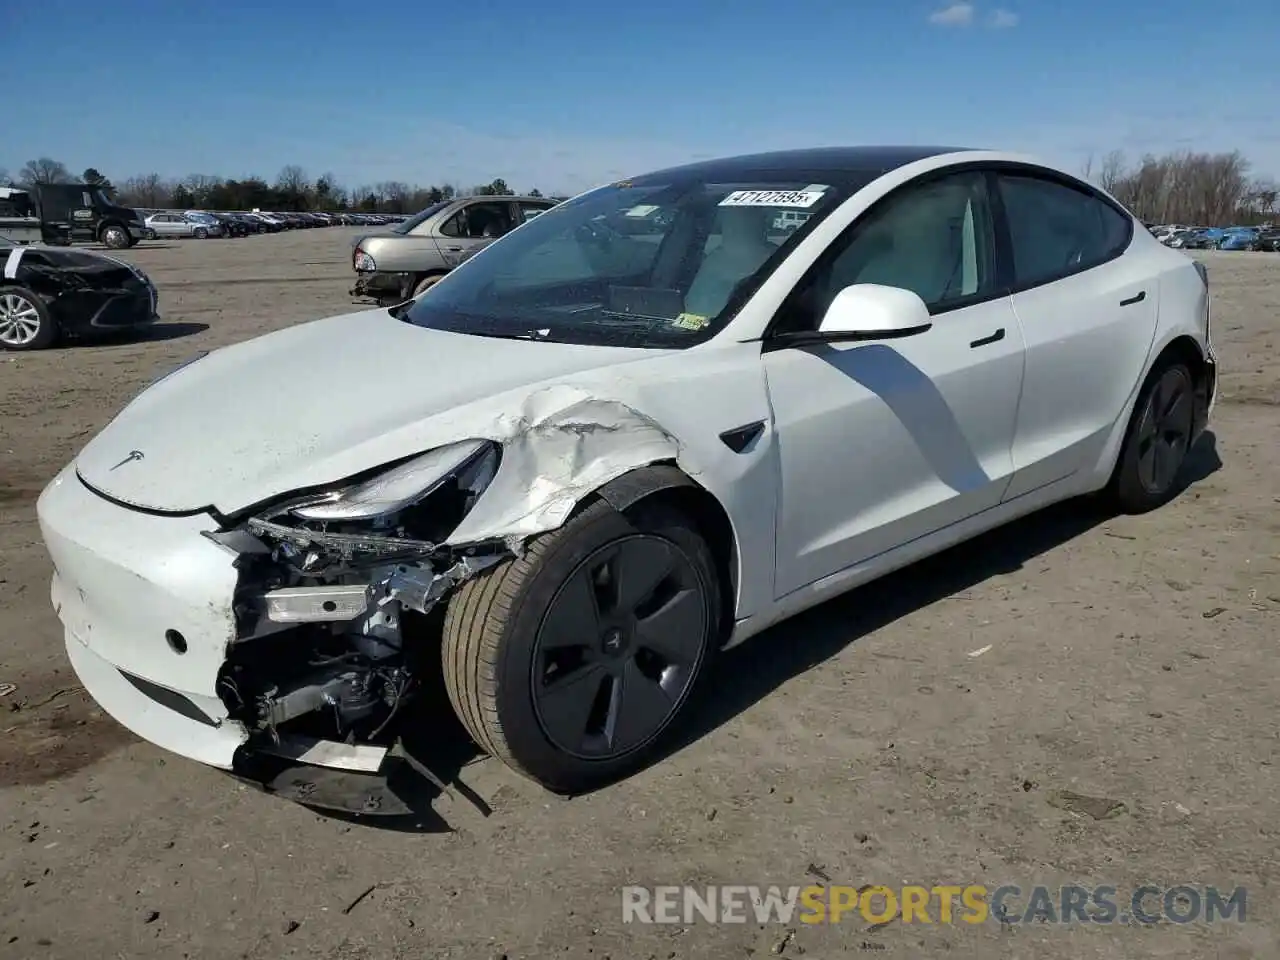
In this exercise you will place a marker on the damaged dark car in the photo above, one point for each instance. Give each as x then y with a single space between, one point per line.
51 293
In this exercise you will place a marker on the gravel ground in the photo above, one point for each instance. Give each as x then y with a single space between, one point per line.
1125 660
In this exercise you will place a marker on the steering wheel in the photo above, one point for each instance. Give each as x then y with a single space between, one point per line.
595 235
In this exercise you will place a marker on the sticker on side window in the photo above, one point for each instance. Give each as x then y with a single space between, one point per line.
772 198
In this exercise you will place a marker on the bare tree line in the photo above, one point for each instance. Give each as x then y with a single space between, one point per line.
1196 189
291 190
1204 189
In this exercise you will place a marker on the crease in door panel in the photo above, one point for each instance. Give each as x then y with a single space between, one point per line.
1017 407
919 405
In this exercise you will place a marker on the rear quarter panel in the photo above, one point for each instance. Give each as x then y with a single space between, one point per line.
1183 312
404 254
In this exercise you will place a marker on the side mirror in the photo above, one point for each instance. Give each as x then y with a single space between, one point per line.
870 311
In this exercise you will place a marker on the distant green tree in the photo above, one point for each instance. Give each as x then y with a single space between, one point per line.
183 199
535 192
93 178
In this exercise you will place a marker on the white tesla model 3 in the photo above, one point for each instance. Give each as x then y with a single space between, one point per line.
636 430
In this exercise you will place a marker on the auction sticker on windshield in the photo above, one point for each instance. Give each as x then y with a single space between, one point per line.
772 198
690 321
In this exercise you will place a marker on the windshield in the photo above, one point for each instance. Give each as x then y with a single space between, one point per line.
658 261
420 216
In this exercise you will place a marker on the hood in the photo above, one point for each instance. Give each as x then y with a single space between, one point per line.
316 404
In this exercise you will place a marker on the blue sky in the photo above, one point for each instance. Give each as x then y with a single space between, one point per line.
563 94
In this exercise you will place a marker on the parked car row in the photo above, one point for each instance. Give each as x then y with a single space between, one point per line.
202 224
1263 238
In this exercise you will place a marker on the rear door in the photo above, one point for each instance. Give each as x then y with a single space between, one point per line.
528 209
473 228
1087 309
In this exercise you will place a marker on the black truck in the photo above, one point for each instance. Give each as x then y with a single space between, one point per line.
64 213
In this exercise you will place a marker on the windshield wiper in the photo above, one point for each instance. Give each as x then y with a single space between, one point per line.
541 334
615 318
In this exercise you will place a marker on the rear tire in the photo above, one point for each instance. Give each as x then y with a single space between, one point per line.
573 677
425 284
1157 442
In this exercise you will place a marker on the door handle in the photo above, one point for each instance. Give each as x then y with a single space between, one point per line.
983 341
455 249
1137 298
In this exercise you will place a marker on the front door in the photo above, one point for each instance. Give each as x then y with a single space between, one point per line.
885 442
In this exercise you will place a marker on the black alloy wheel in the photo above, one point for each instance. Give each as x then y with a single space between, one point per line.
1158 441
619 648
570 662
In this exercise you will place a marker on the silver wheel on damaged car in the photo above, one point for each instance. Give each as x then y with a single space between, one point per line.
25 323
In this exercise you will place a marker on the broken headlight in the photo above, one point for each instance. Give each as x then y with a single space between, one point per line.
403 511
471 462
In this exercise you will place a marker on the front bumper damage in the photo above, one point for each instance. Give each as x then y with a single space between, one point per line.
262 640
234 641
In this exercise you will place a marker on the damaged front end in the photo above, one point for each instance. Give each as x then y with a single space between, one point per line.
335 592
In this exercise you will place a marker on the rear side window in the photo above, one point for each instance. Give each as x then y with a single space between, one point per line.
1057 230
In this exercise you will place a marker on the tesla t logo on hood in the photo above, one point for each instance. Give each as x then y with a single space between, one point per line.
133 455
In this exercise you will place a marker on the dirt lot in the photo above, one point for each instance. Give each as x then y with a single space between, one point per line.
1129 659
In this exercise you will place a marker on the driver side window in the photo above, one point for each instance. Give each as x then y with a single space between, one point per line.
935 239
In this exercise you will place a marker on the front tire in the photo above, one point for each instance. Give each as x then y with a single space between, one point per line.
571 662
25 322
115 237
201 233
1157 442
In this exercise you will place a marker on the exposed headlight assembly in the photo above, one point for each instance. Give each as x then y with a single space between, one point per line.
472 462
405 511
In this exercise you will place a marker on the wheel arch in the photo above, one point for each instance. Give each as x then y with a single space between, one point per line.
418 276
1182 348
665 482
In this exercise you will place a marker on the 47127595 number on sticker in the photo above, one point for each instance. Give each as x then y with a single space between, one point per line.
772 198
